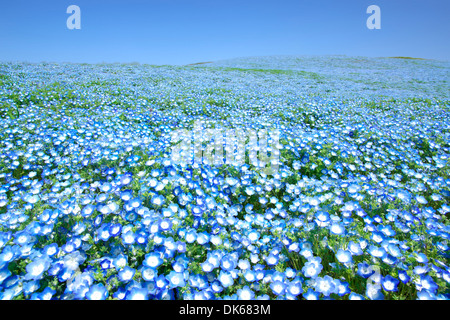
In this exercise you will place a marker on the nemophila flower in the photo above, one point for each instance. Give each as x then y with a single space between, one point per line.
207 266
50 249
36 269
373 292
245 293
337 229
128 237
216 240
378 237
426 282
325 285
294 288
250 275
161 281
365 270
191 236
225 279
276 275
176 279
227 263
306 252
106 263
46 294
377 252
97 292
125 179
148 274
390 260
311 295
272 259
22 238
394 250
202 238
198 281
180 246
426 295
322 218
157 201
355 248
421 258
126 274
7 255
136 294
341 288
419 270
278 287
344 256
389 283
126 195
243 264
103 233
403 276
355 296
153 260
88 210
114 229
311 269
30 286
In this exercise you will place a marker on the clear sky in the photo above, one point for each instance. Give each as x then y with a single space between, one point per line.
189 31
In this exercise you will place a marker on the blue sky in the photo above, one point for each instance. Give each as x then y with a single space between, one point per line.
189 31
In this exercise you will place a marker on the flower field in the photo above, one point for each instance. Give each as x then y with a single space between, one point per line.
92 206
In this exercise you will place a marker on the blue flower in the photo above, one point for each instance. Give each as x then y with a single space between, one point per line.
126 274
207 267
403 276
153 260
120 261
322 218
342 288
250 275
225 279
344 256
120 294
97 292
272 259
294 288
377 252
137 294
355 296
311 269
325 285
176 279
355 248
389 283
36 269
245 293
337 229
373 292
311 295
216 286
227 263
425 295
278 287
426 282
161 281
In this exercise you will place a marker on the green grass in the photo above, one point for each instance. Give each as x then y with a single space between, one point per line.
410 58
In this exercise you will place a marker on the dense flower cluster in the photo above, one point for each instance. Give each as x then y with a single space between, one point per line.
93 207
